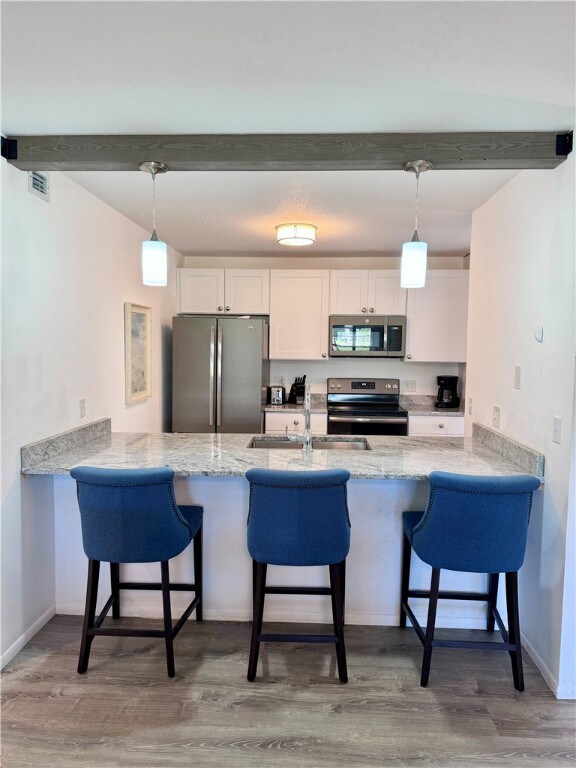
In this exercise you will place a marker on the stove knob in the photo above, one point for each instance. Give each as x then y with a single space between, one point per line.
331 386
338 386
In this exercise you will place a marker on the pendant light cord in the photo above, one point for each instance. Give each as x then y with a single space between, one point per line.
153 202
417 189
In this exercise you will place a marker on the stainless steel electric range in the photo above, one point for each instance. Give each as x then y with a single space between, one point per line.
365 407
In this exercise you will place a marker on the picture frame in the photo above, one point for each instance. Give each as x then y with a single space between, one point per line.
137 352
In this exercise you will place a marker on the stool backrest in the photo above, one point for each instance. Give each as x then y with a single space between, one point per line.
129 515
298 518
473 523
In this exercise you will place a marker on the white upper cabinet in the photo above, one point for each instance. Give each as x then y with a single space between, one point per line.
299 314
247 291
361 291
437 318
215 291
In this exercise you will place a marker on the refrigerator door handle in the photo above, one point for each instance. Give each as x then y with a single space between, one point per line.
211 389
219 379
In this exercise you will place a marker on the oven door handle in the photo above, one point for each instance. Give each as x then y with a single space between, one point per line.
371 419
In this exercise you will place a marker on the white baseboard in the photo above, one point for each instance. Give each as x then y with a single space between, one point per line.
154 611
560 690
17 646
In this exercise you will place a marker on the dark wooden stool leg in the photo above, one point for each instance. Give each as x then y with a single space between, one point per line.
259 586
405 583
337 595
493 579
514 629
343 581
89 614
168 637
114 582
432 605
199 591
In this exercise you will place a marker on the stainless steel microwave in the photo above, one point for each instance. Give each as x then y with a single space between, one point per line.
367 335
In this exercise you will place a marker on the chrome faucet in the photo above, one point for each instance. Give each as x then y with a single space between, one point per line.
306 437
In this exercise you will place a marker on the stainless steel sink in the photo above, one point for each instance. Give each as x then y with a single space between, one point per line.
325 444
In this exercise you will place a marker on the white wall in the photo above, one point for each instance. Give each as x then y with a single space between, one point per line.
68 267
522 277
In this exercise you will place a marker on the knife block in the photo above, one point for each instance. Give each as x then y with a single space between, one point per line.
296 396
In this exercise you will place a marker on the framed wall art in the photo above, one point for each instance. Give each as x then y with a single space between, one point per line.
137 352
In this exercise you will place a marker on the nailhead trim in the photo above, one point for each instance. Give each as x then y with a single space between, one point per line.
427 511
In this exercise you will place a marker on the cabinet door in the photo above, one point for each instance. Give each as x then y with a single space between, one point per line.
348 291
299 314
200 291
247 291
437 317
385 296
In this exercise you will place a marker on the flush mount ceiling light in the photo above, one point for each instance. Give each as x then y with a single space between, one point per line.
296 234
154 251
413 264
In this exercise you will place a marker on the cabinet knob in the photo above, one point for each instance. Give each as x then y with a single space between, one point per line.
409 357
441 426
227 309
363 309
296 422
324 354
371 309
220 309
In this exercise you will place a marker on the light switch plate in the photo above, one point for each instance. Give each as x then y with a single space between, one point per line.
496 416
557 430
82 408
518 377
409 385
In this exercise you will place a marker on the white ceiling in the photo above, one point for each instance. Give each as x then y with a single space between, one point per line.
255 67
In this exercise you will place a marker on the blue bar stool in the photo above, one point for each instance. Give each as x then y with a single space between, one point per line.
477 525
131 516
300 519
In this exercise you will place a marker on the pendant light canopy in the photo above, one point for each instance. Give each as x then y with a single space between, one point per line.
154 251
296 234
414 252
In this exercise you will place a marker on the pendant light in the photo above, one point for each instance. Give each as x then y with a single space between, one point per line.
154 251
413 264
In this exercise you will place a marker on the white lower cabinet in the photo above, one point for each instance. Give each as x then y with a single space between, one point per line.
439 426
276 423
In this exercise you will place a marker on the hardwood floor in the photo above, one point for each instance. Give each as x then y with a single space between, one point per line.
126 713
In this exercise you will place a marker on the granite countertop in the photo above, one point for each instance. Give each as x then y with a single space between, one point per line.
416 405
227 455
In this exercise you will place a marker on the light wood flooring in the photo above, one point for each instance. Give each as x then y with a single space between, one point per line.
126 713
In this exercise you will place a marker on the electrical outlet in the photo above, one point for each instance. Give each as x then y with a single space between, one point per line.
556 430
82 408
470 406
518 377
409 385
496 416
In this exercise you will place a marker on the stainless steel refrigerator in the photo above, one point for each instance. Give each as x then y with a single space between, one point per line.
219 375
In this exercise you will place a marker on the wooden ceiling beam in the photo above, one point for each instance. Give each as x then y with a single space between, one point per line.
290 152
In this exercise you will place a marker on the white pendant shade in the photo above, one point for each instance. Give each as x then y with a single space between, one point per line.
296 234
154 263
413 264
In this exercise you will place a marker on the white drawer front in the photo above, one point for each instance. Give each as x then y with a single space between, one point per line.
435 425
277 422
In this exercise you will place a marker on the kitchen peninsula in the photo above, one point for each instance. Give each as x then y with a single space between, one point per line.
386 480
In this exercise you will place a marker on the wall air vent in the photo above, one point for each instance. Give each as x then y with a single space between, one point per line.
39 185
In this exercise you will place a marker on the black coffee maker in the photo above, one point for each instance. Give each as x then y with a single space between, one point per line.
447 392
